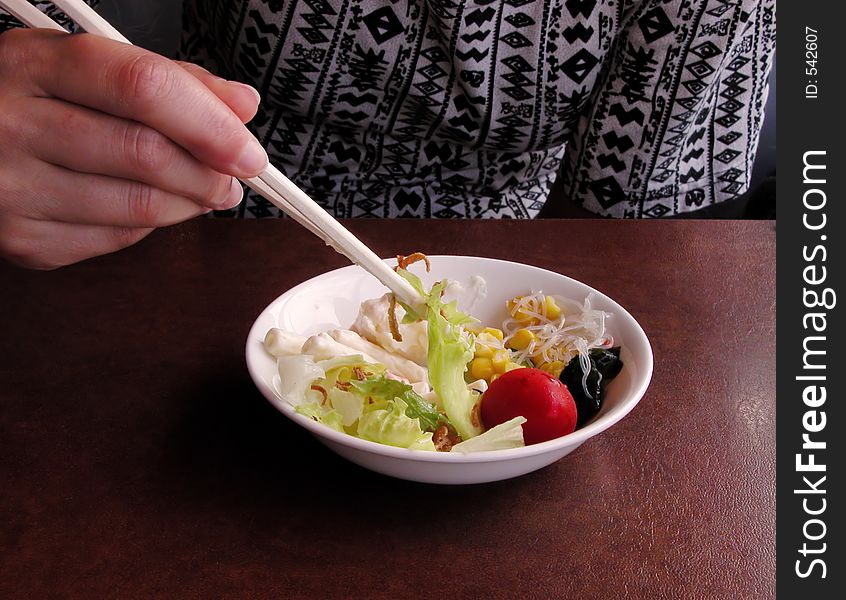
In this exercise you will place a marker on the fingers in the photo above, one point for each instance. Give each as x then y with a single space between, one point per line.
102 142
71 197
88 141
240 97
130 82
50 245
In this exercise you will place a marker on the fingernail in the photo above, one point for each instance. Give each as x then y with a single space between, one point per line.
253 159
244 86
236 194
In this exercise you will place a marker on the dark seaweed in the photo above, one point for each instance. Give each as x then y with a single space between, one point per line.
605 366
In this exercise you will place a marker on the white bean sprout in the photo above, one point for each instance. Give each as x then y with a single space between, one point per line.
577 330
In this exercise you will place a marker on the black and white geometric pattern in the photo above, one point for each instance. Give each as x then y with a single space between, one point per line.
674 122
7 21
467 108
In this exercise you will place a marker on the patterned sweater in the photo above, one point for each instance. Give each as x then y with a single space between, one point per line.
471 108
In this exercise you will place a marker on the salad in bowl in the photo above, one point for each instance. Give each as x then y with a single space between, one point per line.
505 369
443 380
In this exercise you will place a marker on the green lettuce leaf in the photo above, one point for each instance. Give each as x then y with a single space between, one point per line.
389 424
503 436
448 355
382 388
348 405
450 310
296 374
341 368
410 315
318 413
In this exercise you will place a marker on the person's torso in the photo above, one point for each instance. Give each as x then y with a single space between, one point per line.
413 107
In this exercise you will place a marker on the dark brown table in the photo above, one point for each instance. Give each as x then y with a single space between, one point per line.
138 461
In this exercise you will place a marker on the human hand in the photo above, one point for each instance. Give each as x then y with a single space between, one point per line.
101 142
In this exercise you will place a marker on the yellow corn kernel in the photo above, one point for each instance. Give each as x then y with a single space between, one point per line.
552 309
525 318
487 339
513 365
537 358
557 367
521 339
553 367
495 376
481 368
497 333
482 351
519 314
500 360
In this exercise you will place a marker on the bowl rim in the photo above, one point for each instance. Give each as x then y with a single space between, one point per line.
575 438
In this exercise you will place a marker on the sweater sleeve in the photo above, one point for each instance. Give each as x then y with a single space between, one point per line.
8 22
675 121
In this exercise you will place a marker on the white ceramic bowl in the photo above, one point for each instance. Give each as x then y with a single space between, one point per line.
332 300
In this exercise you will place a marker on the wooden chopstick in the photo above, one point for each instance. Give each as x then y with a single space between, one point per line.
340 238
271 184
87 18
261 188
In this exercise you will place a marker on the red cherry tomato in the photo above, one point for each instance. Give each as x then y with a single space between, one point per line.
545 402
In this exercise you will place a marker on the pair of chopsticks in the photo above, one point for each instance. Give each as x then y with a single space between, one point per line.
271 184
